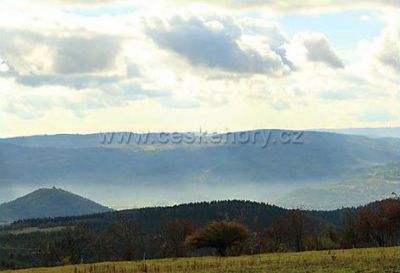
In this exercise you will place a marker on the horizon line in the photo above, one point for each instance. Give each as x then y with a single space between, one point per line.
182 131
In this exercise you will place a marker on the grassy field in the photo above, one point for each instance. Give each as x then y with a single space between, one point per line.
377 260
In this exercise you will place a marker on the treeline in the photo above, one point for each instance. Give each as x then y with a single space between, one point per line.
127 238
373 226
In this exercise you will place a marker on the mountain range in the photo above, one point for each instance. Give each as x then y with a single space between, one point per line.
369 132
130 175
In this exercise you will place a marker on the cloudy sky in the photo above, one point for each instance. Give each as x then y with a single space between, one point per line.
75 66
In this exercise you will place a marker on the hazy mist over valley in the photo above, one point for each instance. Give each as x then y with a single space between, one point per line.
130 174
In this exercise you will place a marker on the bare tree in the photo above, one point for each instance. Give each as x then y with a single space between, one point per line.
173 234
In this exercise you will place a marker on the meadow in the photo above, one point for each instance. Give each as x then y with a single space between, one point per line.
368 260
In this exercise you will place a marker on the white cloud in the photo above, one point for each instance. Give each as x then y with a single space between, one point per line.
387 48
215 43
305 6
3 66
310 47
76 55
30 103
380 57
163 68
33 52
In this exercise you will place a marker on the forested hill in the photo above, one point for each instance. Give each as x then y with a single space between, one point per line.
247 212
162 232
48 202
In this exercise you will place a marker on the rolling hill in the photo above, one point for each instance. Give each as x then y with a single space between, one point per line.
44 203
201 213
146 229
379 182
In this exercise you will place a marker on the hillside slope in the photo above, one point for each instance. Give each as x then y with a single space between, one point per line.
111 230
201 213
379 182
48 203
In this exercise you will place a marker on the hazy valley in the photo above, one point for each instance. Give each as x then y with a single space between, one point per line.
310 174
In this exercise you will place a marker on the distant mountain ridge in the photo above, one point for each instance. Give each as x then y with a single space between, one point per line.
46 202
94 139
376 183
369 132
163 174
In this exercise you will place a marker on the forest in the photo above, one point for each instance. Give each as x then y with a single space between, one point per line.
223 228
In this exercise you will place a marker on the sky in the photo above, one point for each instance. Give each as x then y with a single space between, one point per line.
84 66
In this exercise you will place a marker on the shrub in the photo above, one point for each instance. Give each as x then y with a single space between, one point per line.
219 235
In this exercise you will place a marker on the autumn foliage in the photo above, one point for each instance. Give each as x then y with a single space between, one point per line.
380 226
219 235
248 231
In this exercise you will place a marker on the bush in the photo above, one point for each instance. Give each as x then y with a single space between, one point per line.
219 235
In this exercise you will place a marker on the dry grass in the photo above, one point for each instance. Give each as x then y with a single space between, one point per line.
377 260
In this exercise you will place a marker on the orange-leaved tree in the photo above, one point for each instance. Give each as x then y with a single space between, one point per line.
220 235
